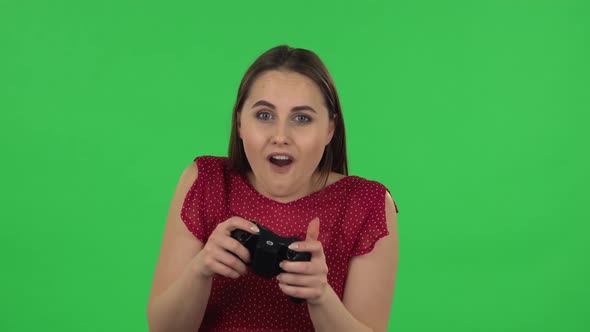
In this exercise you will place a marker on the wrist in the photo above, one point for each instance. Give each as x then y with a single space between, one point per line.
323 298
198 272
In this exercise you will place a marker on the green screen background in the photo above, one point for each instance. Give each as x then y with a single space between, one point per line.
473 113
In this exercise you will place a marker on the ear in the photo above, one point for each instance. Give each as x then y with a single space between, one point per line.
331 128
239 125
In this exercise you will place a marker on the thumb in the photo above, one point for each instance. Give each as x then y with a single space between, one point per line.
313 229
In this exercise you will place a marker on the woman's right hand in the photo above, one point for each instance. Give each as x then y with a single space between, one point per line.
216 258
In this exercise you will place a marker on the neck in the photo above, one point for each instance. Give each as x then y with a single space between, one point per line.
304 190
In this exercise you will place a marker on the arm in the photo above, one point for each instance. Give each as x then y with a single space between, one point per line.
369 288
179 293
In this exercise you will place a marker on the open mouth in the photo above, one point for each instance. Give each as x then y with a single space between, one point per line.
281 160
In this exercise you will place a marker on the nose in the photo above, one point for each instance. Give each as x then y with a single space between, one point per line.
281 134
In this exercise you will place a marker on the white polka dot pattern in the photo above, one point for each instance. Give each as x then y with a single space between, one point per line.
352 219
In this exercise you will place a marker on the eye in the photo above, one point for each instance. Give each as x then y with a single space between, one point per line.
302 118
264 115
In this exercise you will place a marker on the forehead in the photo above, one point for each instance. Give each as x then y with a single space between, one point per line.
285 88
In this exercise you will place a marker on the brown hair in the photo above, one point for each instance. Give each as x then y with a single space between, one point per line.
307 63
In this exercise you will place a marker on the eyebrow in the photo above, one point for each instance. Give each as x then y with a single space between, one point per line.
294 109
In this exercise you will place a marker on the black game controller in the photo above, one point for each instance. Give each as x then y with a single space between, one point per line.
267 250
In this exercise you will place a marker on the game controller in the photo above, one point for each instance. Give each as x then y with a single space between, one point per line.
267 250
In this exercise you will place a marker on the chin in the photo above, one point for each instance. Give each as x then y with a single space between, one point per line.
279 186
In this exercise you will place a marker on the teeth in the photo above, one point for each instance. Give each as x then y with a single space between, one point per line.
279 157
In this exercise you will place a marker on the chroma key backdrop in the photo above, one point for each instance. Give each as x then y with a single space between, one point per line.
475 115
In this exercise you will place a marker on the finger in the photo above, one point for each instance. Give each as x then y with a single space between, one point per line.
230 261
223 270
308 268
313 247
301 292
301 280
241 223
313 229
234 246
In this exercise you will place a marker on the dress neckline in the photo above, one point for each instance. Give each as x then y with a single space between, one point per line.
300 200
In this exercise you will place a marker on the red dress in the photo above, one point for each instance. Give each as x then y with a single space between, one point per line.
352 219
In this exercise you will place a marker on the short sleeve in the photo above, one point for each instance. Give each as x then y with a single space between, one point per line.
375 224
193 209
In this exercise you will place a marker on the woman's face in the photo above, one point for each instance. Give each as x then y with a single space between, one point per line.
284 126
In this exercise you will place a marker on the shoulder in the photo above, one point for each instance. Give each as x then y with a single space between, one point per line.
189 176
369 188
203 168
211 161
203 163
211 165
365 183
358 184
374 194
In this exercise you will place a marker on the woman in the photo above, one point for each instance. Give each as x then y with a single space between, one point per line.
287 170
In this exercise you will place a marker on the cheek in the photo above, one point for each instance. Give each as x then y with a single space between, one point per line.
313 145
253 141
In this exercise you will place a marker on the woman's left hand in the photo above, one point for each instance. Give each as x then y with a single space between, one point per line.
306 280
